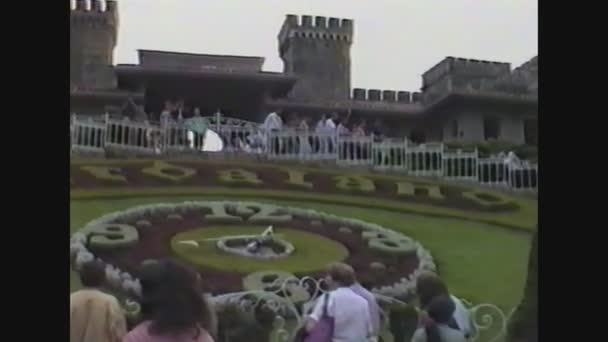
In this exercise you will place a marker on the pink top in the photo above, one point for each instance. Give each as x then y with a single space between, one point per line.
141 334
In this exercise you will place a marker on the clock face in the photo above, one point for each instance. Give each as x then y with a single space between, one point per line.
230 243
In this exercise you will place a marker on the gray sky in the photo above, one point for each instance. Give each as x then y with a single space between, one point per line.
395 40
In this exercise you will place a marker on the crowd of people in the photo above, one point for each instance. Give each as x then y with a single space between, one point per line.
306 135
321 136
174 309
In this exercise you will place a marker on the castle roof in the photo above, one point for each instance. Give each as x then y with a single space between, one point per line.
195 61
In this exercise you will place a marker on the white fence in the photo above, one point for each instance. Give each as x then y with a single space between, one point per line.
459 165
87 135
355 151
97 135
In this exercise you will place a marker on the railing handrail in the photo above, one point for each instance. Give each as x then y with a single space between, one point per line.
94 134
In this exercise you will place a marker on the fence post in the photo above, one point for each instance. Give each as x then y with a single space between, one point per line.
218 118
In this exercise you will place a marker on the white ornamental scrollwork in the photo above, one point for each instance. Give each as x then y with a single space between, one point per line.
489 320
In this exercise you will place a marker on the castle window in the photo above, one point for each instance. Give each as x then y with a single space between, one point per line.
491 128
455 129
531 132
418 136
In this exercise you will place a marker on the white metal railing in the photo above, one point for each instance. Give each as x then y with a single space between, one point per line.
523 178
390 155
355 151
132 136
301 145
87 135
241 138
425 159
493 171
460 165
98 134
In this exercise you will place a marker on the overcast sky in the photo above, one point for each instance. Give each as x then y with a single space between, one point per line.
395 40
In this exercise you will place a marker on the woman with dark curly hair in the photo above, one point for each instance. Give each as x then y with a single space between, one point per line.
173 308
437 329
429 286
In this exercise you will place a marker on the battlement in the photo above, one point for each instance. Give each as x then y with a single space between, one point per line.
465 67
93 36
377 95
93 6
530 65
320 28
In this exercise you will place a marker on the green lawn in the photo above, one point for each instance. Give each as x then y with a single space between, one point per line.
312 252
480 262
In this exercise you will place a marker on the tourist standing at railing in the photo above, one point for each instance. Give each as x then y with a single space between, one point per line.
272 124
359 130
320 129
306 141
165 115
342 128
378 130
330 126
341 311
178 110
437 328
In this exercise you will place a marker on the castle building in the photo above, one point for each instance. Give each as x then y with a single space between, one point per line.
463 100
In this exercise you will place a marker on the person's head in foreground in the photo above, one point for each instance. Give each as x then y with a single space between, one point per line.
429 286
92 274
175 309
440 311
94 315
340 275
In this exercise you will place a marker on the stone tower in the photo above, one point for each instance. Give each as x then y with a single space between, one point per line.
319 54
93 34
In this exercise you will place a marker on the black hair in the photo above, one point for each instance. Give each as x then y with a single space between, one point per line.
429 286
440 309
93 274
172 300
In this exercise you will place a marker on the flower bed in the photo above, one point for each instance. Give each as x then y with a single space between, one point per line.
383 258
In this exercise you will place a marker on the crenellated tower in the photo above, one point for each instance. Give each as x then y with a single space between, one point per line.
93 36
319 54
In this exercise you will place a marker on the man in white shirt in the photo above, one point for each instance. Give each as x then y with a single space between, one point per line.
320 145
320 128
352 322
273 123
331 122
330 128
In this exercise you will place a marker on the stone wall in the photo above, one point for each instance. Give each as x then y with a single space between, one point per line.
319 54
93 35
